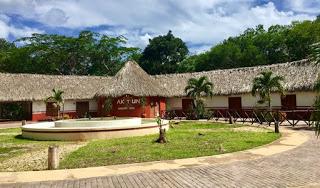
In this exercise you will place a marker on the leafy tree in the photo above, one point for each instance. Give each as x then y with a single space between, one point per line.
57 99
5 47
198 88
163 54
258 46
188 64
263 85
88 54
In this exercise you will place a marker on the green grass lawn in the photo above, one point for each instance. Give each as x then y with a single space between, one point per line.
187 139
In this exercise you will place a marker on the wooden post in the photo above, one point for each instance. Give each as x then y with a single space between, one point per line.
53 157
24 122
231 121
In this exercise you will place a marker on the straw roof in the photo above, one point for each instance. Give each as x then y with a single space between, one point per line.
298 75
31 87
132 80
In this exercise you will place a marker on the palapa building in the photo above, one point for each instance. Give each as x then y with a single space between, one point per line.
134 93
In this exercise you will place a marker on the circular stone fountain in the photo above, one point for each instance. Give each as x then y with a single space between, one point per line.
96 128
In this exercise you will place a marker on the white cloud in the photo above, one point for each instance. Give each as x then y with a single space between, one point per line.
200 23
7 29
305 6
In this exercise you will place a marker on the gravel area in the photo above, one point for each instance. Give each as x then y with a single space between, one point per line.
36 160
252 128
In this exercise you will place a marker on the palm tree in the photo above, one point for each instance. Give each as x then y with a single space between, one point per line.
198 88
315 53
57 99
315 56
316 114
263 85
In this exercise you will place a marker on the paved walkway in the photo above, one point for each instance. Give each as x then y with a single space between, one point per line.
293 168
10 124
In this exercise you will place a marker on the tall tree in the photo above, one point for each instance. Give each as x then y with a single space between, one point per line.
163 54
263 85
88 54
258 46
5 48
198 88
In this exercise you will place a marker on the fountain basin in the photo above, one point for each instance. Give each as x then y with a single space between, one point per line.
85 129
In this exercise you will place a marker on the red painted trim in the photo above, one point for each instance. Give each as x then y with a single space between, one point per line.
136 111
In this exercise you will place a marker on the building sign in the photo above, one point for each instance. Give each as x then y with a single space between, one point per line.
128 102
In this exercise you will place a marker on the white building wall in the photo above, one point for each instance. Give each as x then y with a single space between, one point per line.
69 106
216 102
38 106
249 101
304 99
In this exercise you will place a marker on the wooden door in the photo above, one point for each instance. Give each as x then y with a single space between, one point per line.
82 108
234 103
288 102
187 105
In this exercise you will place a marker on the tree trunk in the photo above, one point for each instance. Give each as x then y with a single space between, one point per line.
270 109
62 110
276 127
162 135
58 106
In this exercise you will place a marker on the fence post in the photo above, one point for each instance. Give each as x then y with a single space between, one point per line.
231 121
53 157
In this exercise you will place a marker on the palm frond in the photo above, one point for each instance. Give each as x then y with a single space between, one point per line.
198 87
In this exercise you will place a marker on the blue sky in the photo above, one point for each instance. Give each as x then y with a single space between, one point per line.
200 23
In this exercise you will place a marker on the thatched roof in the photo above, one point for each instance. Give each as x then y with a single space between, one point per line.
132 80
298 75
26 87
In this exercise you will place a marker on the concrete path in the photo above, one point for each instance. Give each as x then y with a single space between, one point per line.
291 162
10 124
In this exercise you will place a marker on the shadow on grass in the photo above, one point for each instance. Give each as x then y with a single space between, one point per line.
19 137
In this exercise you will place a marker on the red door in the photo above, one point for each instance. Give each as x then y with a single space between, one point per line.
82 109
187 105
288 102
235 104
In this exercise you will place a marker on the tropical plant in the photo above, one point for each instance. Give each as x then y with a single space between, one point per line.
315 52
57 99
316 114
196 89
108 105
263 85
